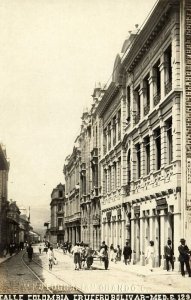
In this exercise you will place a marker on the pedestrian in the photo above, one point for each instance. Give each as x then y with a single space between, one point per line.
30 252
184 256
127 253
50 257
40 249
150 252
169 255
104 255
118 254
76 252
111 252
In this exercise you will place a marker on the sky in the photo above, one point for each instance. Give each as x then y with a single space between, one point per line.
52 52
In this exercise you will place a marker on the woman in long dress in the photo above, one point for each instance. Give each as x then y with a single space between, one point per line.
150 252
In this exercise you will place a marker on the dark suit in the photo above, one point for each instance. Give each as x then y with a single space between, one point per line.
184 259
168 253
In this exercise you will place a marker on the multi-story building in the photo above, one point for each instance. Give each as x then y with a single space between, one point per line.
89 174
152 139
143 127
72 201
4 169
57 214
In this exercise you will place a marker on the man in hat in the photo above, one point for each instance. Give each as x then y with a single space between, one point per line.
168 252
184 257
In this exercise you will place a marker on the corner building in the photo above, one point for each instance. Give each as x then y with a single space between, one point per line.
152 138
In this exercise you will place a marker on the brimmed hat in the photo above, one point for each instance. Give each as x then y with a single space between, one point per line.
182 240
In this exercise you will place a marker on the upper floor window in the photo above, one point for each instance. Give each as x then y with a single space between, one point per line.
60 194
105 181
146 87
119 172
128 104
168 69
147 154
129 167
157 135
157 83
109 136
59 207
114 176
138 159
119 125
114 131
169 140
104 141
138 104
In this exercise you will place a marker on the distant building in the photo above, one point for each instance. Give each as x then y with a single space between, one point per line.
57 229
4 170
72 204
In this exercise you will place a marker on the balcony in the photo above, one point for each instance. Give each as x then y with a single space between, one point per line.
146 109
137 118
156 98
168 87
96 220
72 218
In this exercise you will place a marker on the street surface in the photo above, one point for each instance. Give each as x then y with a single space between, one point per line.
15 277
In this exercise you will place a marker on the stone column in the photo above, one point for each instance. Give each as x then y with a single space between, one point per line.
162 67
152 80
142 257
133 236
162 238
141 93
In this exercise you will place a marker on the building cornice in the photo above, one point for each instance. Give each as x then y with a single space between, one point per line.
145 37
110 93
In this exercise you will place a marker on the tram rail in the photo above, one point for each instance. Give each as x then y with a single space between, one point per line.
69 289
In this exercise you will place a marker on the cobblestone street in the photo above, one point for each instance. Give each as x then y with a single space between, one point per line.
16 278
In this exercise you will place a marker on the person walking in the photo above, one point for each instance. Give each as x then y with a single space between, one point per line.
50 257
169 255
104 255
111 253
150 255
30 252
118 254
127 253
184 256
76 252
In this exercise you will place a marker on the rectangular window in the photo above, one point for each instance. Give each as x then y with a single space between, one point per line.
169 141
119 125
119 172
157 84
168 69
105 181
146 95
114 131
147 154
114 176
157 134
138 154
104 142
109 136
60 194
128 104
138 105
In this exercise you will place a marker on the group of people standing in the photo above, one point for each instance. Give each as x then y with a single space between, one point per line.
184 256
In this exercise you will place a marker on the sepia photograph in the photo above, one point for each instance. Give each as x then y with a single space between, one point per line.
95 150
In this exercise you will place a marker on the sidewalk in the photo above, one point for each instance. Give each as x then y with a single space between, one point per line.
159 276
2 259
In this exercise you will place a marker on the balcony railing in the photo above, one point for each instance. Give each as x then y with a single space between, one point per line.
157 98
137 118
146 109
168 86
